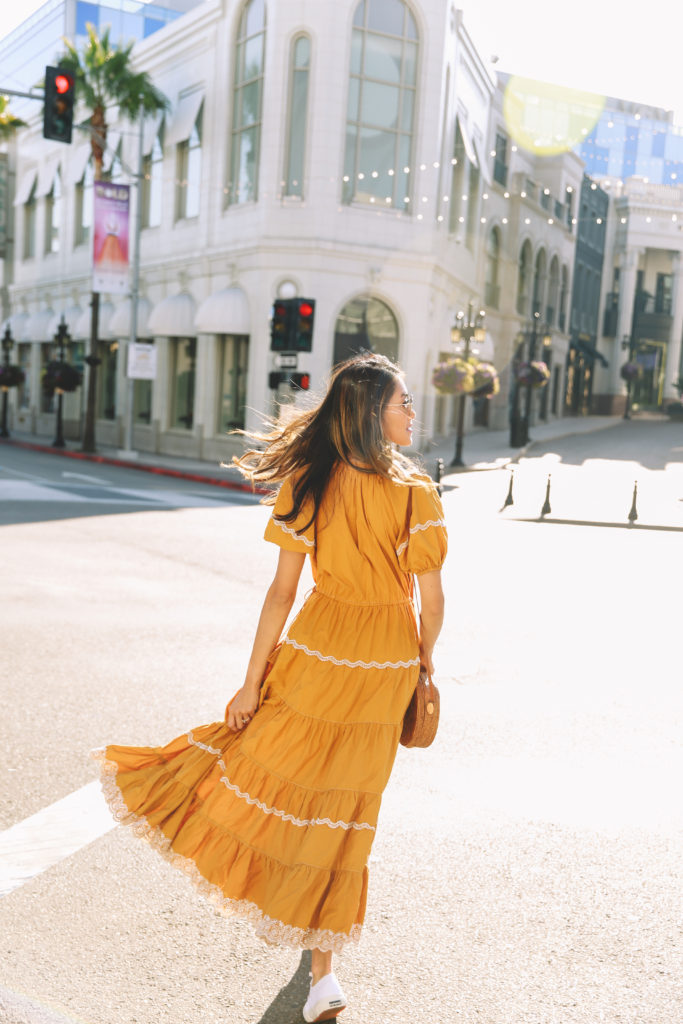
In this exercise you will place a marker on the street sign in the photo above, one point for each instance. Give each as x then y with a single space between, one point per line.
286 360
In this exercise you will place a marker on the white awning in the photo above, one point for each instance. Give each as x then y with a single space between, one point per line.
173 317
24 187
72 315
113 139
46 176
224 312
17 326
82 328
79 162
37 328
482 158
120 322
184 117
150 132
467 142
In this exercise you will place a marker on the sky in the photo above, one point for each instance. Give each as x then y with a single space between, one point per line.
633 53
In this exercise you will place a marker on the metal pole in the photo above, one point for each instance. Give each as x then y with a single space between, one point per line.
460 432
134 294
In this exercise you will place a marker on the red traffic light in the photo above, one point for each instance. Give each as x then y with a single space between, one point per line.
305 309
62 84
300 380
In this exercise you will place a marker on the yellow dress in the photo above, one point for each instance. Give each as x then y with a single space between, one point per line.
276 822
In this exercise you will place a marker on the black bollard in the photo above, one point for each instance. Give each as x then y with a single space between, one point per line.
438 474
633 514
509 500
546 510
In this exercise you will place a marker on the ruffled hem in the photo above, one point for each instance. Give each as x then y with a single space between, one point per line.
268 929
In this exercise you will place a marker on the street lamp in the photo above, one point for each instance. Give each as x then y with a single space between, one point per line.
519 423
467 328
7 343
63 338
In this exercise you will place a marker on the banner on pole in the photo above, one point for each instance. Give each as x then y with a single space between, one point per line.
142 361
110 238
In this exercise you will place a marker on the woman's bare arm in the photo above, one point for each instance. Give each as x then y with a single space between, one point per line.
431 615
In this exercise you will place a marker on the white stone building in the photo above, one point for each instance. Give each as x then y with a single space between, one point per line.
338 152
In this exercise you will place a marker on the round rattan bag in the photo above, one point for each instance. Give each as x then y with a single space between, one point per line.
421 719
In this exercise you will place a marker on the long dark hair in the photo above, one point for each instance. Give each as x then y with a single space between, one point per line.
345 427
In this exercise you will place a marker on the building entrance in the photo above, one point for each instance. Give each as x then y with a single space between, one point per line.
647 392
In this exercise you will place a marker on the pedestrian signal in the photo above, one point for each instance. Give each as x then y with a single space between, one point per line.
300 380
275 378
58 105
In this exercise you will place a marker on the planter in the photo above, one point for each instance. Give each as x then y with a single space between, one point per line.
535 373
11 376
62 377
453 377
631 371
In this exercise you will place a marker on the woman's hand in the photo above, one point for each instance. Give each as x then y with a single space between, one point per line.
242 708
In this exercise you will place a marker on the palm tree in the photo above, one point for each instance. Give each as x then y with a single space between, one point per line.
8 122
104 77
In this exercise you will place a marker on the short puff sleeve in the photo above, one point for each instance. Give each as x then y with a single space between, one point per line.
288 535
424 543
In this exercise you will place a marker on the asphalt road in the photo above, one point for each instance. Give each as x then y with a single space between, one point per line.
527 868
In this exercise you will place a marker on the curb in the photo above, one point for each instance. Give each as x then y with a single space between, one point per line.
107 460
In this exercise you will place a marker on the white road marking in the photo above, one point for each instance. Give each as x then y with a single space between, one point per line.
46 838
88 479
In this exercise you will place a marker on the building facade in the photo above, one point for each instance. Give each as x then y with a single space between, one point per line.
354 154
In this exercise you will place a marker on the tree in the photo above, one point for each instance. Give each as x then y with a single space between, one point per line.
104 77
8 122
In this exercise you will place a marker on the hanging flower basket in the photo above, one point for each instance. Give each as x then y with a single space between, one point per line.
486 383
60 376
11 376
454 377
631 371
535 373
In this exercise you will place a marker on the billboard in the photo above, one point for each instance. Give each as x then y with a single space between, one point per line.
110 237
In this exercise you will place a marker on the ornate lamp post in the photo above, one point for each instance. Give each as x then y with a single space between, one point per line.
63 338
7 343
519 423
467 328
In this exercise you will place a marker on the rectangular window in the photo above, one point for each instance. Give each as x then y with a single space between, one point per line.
184 357
298 113
500 163
24 396
457 199
30 226
152 179
233 394
189 163
472 207
142 395
664 294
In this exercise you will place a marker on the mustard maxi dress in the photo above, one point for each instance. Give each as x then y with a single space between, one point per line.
276 822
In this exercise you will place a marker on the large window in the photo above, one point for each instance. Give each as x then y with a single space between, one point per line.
381 104
53 211
189 172
142 395
152 178
24 396
84 205
106 380
184 360
247 104
298 112
491 285
365 324
458 198
234 354
30 225
553 292
539 282
524 279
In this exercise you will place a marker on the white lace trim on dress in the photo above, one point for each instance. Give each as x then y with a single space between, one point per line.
267 928
352 664
300 822
416 529
297 536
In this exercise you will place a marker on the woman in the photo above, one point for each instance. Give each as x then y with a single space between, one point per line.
272 812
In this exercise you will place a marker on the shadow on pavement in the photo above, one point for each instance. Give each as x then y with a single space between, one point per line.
288 1003
588 522
652 443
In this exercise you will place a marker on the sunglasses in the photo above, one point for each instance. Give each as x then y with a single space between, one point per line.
406 403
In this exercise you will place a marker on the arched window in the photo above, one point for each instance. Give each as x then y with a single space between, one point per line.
365 324
53 218
553 292
300 64
491 285
247 103
539 281
381 105
524 279
152 177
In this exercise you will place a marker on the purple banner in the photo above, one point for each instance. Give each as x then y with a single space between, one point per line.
110 238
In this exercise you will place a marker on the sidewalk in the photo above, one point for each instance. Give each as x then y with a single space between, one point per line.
482 450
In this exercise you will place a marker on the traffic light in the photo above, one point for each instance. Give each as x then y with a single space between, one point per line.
58 108
280 325
302 327
275 378
300 380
